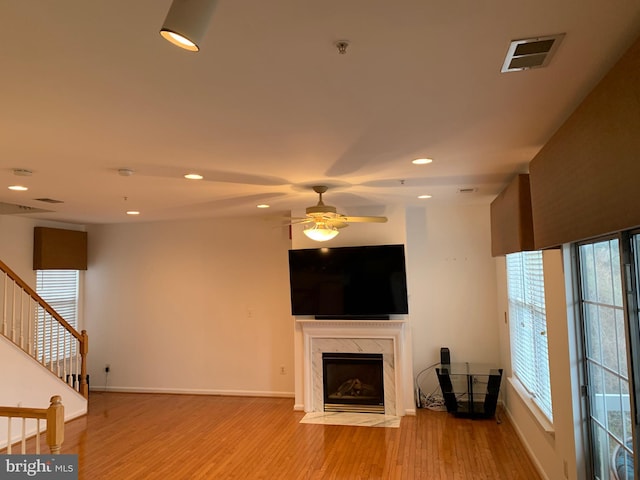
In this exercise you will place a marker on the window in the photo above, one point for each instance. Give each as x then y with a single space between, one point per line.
59 288
607 350
529 350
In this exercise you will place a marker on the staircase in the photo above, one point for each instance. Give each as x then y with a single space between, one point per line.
36 328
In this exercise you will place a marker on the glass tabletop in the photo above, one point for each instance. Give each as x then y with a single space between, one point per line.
468 368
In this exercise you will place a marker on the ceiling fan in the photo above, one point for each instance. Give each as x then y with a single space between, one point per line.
324 220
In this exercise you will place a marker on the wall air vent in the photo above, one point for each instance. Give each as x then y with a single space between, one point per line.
49 200
13 209
531 53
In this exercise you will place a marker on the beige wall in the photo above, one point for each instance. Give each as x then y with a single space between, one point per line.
196 306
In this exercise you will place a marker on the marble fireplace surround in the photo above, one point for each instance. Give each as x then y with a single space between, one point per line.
388 337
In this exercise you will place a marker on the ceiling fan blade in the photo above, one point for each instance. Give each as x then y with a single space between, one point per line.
363 219
338 224
300 221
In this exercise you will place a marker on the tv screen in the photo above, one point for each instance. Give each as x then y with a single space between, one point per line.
367 281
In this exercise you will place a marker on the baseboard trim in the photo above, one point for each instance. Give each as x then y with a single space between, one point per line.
526 444
192 391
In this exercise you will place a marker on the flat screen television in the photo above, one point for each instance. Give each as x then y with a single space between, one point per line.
349 282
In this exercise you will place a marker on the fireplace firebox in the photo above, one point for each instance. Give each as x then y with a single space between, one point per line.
353 382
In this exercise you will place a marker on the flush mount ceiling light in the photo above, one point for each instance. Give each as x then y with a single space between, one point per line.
263 205
187 22
424 196
193 176
18 188
422 161
321 232
133 212
125 172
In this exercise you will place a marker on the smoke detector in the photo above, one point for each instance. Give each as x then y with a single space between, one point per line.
531 53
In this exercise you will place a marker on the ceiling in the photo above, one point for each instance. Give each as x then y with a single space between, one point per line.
269 107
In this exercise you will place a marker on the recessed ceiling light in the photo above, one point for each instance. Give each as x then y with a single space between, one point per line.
424 196
422 161
263 205
18 188
133 212
193 176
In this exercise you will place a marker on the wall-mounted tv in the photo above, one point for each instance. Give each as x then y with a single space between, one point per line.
349 282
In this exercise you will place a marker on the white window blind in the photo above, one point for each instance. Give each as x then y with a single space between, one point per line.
59 288
528 322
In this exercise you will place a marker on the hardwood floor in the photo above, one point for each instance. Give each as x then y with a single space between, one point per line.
149 436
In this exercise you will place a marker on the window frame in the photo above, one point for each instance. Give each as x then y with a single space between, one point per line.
527 304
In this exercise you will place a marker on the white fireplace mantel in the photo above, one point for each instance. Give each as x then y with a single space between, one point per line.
391 338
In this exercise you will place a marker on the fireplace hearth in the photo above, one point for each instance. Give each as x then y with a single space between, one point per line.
353 382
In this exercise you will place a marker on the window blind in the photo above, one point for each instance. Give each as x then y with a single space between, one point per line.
59 288
528 326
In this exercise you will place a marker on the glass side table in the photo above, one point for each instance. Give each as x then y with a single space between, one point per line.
470 390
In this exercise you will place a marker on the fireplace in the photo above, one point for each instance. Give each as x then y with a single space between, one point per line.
353 382
389 338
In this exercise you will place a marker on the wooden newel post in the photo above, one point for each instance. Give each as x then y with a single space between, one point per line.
84 349
55 424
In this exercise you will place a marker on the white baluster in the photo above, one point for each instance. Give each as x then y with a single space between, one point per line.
38 436
24 436
58 353
64 355
50 342
13 313
30 331
4 306
22 294
9 421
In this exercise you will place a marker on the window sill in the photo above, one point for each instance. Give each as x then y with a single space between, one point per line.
533 409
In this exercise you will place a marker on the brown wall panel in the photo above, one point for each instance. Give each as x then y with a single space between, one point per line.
585 180
511 223
54 249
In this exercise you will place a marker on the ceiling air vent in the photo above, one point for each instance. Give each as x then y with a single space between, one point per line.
467 190
13 209
531 53
49 200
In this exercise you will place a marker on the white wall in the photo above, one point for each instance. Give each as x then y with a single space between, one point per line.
198 306
453 293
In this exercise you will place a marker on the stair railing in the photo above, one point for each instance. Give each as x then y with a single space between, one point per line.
54 415
34 326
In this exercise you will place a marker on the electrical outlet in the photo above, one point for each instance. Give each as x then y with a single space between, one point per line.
283 371
107 368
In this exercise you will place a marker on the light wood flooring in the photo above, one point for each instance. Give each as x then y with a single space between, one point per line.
175 437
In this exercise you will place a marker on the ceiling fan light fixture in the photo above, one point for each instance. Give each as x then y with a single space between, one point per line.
321 232
187 22
422 161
